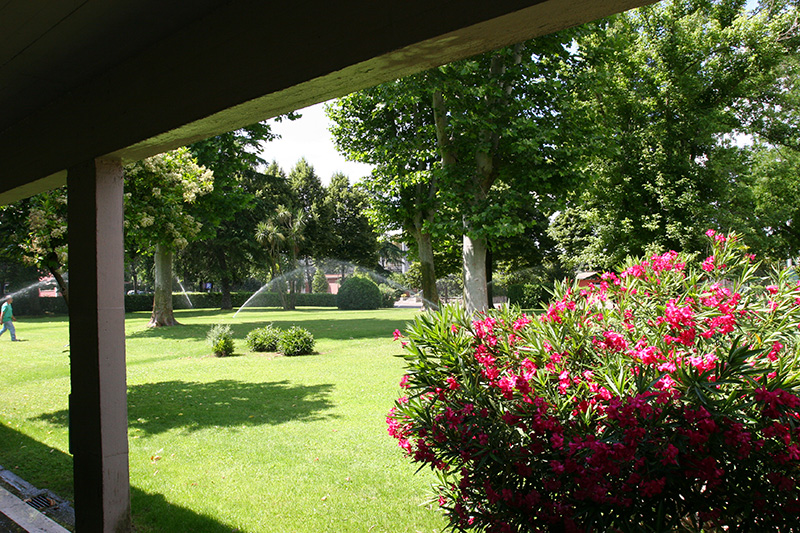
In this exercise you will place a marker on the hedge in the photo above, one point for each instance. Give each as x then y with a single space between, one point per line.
35 305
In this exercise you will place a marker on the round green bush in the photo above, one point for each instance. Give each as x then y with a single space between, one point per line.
221 340
296 341
263 339
358 293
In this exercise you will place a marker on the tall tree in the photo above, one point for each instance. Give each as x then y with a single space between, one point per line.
308 197
282 236
355 239
226 249
159 194
46 243
391 126
485 132
17 265
776 174
667 84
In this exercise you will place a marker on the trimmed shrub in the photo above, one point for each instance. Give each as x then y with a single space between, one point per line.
263 339
665 398
358 293
220 338
296 341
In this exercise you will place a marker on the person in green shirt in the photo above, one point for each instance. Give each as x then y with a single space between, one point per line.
7 316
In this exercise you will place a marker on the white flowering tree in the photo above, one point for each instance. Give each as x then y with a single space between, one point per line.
159 194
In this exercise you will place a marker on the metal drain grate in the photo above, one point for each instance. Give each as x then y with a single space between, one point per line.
40 502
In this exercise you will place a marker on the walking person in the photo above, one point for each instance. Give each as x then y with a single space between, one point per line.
7 316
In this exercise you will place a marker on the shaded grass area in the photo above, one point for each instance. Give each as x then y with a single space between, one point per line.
254 443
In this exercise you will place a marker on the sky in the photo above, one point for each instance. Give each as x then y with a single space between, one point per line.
309 137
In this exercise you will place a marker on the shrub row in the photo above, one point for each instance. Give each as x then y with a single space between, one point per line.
293 341
34 305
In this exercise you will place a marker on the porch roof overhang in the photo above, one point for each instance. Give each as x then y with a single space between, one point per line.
126 79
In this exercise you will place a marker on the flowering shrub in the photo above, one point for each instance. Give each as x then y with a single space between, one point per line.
663 398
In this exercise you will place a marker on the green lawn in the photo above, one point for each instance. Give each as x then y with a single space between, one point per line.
254 442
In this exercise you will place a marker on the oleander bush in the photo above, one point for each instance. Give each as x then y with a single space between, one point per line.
357 292
264 339
296 341
220 337
663 398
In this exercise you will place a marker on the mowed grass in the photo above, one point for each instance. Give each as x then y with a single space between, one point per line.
249 443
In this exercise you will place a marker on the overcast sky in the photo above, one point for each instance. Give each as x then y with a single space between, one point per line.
309 137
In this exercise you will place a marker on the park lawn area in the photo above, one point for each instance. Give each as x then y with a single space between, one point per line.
249 443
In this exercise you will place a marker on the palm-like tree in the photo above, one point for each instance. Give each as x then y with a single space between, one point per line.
282 234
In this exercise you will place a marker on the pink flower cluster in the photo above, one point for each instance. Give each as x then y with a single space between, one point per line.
659 393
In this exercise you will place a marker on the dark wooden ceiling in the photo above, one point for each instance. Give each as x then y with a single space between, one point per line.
81 79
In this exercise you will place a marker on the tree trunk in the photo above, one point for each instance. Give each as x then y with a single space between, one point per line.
62 284
476 296
135 279
227 301
489 284
309 276
430 294
162 300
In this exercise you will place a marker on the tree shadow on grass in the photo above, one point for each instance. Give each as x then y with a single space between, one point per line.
154 408
50 468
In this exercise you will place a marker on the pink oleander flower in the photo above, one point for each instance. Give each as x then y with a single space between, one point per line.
620 398
773 353
397 334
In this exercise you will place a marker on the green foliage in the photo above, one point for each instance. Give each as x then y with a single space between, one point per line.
220 337
668 83
159 194
308 197
776 187
210 300
357 292
412 278
263 339
242 196
389 295
355 239
527 296
282 235
320 283
30 304
296 341
473 148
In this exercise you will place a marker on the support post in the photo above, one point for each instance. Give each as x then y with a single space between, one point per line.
98 402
